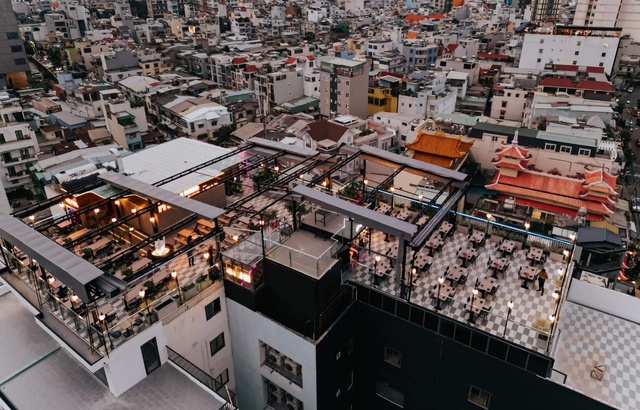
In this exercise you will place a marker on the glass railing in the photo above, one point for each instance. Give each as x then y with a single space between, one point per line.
83 320
312 265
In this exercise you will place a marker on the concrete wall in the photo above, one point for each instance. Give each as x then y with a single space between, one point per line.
190 333
606 300
248 328
125 368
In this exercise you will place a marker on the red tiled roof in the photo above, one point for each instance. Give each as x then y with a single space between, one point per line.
491 56
558 82
502 164
550 208
311 58
570 203
396 75
436 17
290 60
594 85
600 175
414 17
239 60
514 151
452 47
566 67
250 68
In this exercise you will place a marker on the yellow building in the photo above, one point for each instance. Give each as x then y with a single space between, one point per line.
381 99
440 149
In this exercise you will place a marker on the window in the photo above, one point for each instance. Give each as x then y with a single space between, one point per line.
479 397
216 344
346 95
383 390
18 48
392 356
19 135
564 148
12 35
574 62
603 54
349 380
584 152
494 139
549 147
577 53
222 378
601 65
540 51
542 41
504 104
20 61
538 60
212 308
579 43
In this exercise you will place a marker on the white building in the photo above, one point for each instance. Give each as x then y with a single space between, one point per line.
126 124
623 14
282 86
403 124
572 46
18 149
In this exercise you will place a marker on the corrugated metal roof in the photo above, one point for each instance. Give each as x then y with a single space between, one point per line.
165 160
162 195
66 266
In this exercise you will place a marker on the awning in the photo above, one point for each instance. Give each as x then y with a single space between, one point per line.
162 195
66 266
367 217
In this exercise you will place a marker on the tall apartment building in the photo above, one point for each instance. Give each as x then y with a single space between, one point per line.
343 87
13 65
544 9
18 147
571 45
623 14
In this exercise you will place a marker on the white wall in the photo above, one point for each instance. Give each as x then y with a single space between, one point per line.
606 300
125 368
248 328
190 333
560 49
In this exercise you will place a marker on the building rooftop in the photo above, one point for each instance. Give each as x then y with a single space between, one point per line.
31 360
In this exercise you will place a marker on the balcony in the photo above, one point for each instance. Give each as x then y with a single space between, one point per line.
17 176
19 160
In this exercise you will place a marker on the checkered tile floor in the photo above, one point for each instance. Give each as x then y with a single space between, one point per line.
587 336
529 303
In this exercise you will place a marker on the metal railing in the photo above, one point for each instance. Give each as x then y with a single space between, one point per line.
203 377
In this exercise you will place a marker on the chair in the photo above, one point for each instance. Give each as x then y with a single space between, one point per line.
111 317
463 280
493 291
484 312
115 334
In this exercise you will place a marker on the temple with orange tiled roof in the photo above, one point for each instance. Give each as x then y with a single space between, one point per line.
440 149
596 191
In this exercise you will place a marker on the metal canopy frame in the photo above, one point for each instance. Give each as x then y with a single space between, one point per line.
162 195
412 165
69 268
359 214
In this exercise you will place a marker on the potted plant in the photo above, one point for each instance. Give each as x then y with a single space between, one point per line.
268 215
151 288
189 291
87 254
127 272
298 209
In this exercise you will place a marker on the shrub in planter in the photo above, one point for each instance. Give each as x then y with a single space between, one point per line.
127 272
201 278
188 287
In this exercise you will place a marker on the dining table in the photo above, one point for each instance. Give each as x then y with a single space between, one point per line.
446 292
434 243
535 254
498 264
477 237
383 208
527 274
477 306
422 261
100 244
467 254
507 246
445 228
486 284
455 273
403 215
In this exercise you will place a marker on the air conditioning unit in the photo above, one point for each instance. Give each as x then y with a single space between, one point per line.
276 394
294 404
292 366
274 357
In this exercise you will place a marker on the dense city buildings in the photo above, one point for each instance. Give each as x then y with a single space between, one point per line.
316 205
